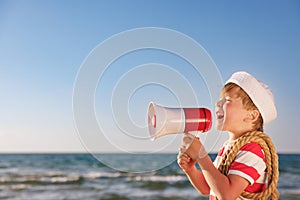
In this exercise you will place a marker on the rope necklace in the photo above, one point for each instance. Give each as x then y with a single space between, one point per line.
271 162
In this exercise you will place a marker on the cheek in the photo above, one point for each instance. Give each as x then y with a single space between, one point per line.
229 111
227 108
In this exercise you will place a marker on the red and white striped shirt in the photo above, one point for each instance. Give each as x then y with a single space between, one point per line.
249 164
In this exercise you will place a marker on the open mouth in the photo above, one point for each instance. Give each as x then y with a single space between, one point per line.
220 115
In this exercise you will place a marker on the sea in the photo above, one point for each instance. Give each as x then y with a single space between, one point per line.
83 177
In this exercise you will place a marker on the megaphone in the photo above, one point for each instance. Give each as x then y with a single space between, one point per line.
163 120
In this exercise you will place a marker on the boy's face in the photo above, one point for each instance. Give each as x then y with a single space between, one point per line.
230 112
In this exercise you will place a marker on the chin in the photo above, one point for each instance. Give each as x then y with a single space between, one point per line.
220 127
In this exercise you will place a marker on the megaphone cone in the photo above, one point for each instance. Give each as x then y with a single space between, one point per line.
163 120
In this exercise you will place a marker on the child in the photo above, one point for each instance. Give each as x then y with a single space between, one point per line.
245 106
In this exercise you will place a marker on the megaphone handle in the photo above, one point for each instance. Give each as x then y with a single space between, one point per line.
194 133
202 152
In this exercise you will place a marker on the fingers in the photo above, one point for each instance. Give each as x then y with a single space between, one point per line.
183 156
183 160
187 140
182 150
192 147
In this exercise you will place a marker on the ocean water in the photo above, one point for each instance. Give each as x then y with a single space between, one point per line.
82 177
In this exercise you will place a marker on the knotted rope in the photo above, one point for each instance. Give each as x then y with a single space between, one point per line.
271 162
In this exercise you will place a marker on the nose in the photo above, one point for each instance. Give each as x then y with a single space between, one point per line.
220 103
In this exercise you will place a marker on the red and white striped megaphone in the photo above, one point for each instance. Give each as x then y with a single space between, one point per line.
163 121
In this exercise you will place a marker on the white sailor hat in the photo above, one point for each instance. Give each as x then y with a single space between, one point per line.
259 92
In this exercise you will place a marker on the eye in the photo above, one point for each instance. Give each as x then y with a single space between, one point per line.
228 99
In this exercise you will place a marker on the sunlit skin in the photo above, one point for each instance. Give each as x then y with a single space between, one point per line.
234 118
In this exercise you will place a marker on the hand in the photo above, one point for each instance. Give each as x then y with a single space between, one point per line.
187 140
185 162
193 147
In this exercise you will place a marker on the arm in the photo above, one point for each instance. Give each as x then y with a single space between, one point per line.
225 187
195 177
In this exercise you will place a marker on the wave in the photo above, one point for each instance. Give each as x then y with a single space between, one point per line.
157 178
42 179
96 175
158 182
54 178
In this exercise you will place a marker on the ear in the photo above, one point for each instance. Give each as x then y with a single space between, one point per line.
252 116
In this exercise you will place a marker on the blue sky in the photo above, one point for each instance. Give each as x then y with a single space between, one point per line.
44 43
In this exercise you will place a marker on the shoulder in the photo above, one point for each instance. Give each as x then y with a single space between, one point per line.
251 154
249 162
253 148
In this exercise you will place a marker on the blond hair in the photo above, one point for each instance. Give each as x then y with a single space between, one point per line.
247 103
